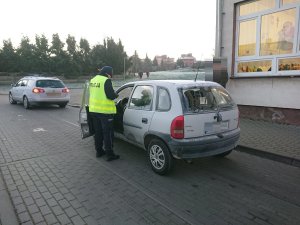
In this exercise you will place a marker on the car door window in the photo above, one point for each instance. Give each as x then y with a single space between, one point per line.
19 83
164 101
24 83
142 98
124 93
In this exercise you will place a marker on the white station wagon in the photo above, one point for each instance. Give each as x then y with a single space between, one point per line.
181 119
37 89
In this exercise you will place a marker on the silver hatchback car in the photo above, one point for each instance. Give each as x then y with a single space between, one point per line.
34 90
173 119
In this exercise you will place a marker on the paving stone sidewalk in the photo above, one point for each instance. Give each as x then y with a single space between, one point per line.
275 140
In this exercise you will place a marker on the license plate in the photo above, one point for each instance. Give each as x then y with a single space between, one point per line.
53 94
216 127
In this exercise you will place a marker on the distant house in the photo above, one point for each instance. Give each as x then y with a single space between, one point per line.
188 60
164 59
260 42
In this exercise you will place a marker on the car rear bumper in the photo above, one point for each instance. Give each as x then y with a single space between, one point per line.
49 101
204 146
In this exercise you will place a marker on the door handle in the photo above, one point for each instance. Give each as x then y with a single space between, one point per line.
144 120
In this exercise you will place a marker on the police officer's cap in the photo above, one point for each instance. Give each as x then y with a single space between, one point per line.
106 70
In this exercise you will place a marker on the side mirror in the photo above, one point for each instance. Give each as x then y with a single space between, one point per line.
13 85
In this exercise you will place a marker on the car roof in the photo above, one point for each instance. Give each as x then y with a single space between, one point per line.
178 83
40 77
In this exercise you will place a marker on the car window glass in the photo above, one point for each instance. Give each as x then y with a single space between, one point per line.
206 98
24 83
19 83
164 102
49 84
142 98
222 97
124 93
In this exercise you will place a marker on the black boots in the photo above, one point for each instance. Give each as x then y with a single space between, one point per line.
100 153
112 157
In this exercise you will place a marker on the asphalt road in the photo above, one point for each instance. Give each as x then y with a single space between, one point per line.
53 177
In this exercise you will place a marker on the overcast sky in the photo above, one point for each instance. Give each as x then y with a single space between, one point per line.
153 27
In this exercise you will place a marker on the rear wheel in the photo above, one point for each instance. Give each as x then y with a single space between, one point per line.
160 157
11 99
224 154
26 103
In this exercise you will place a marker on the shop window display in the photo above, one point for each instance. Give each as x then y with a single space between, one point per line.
255 66
289 64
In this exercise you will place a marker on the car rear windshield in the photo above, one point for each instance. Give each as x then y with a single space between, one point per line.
49 84
206 98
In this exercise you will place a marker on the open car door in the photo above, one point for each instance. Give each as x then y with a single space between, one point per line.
85 121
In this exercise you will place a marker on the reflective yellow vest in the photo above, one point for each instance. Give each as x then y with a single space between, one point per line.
98 102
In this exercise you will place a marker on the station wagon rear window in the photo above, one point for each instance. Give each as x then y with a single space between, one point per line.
206 98
49 84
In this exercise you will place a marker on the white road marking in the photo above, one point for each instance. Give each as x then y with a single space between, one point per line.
38 129
71 123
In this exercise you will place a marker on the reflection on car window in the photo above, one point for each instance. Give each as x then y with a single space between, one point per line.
49 84
164 102
205 98
142 98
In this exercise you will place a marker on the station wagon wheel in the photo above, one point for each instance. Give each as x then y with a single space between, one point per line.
160 157
11 99
26 102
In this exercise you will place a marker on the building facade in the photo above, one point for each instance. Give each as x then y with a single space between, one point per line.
188 60
260 41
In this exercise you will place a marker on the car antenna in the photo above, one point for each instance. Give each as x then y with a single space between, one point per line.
197 73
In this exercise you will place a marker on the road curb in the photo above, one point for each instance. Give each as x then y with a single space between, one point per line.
269 155
7 212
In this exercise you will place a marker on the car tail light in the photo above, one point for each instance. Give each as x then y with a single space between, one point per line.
177 127
38 90
65 90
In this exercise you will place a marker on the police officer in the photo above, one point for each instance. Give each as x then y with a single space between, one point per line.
102 109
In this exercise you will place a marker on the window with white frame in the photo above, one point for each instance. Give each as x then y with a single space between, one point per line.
267 38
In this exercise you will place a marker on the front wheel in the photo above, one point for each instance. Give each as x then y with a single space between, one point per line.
11 99
160 157
26 103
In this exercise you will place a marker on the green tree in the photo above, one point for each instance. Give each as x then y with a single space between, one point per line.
42 54
73 65
147 64
136 63
8 57
26 56
84 56
97 57
179 63
59 58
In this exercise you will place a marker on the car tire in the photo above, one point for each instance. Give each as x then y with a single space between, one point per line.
11 99
159 156
224 154
26 103
63 105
